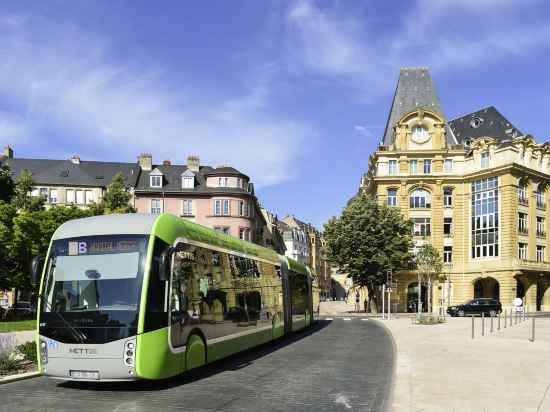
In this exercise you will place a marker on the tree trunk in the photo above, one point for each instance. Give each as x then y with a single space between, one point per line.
373 305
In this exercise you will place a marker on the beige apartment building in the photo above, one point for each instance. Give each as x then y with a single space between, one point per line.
476 188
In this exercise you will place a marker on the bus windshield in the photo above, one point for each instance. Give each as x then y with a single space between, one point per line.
93 282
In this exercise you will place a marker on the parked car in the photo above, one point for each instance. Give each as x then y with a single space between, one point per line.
476 306
23 310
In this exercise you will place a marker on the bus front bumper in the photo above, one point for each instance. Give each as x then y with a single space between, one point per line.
91 363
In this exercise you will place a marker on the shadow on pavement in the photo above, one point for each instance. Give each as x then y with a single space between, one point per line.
233 362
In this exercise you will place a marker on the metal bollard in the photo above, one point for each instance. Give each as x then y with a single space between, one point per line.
498 324
505 319
472 326
511 317
532 339
482 323
492 323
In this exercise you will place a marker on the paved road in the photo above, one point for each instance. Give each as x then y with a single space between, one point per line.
339 365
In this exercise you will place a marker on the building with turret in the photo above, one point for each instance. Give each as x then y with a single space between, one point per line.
475 187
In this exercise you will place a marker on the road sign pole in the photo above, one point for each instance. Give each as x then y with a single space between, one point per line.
383 298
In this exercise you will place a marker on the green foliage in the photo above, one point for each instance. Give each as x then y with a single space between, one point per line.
429 319
28 350
17 325
367 240
428 261
7 215
23 193
7 185
117 197
8 364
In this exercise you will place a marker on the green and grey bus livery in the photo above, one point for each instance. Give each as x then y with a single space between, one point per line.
126 297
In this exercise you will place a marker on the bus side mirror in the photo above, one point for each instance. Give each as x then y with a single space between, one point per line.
36 266
164 264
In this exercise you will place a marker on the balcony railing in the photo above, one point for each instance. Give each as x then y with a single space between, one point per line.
523 231
541 233
541 205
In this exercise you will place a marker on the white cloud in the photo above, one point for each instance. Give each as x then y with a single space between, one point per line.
364 52
68 91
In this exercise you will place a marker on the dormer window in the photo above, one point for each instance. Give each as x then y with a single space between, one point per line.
188 179
484 159
156 181
420 134
223 182
187 182
155 178
239 182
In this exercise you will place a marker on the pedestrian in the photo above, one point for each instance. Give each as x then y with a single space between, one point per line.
365 304
333 293
357 300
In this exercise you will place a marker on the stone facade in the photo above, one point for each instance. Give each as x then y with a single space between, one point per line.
475 188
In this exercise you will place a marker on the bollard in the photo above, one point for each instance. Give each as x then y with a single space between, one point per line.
472 326
505 319
498 324
482 323
532 329
491 323
511 317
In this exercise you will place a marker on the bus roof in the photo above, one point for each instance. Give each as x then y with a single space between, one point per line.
170 227
297 266
124 224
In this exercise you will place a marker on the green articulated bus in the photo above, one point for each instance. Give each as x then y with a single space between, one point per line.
125 297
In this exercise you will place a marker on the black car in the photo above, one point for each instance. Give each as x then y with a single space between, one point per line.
476 306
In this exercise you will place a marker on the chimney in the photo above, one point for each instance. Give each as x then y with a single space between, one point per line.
75 159
166 163
193 163
145 161
8 152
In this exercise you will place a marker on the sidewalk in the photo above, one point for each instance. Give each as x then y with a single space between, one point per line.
440 367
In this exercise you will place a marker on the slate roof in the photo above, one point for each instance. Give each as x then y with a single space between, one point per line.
487 122
172 181
415 90
67 173
225 170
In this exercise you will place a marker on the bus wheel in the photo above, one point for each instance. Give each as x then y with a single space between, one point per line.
195 355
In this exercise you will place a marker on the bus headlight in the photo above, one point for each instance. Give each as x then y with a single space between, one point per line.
43 352
129 353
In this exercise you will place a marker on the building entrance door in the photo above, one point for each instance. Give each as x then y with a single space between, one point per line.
412 297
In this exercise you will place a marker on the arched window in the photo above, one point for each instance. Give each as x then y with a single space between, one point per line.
540 196
420 198
522 191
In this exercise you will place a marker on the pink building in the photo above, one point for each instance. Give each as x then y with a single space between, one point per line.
221 198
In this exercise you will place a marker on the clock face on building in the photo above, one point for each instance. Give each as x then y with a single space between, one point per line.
420 134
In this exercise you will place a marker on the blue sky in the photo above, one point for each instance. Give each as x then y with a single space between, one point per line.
293 93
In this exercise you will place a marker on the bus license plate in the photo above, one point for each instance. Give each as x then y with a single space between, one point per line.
84 374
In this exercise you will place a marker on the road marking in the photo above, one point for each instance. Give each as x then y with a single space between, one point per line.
329 319
364 319
347 318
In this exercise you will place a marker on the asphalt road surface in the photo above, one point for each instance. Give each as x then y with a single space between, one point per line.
338 365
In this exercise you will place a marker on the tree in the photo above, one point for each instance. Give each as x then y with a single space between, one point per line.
117 197
367 240
23 193
7 186
7 214
429 265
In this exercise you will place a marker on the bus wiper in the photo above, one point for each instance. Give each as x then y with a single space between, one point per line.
79 336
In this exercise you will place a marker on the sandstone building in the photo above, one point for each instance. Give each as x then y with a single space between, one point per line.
475 187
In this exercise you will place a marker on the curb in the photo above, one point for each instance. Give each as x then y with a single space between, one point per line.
19 377
388 402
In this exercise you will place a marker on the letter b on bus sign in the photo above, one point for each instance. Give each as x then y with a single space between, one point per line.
82 248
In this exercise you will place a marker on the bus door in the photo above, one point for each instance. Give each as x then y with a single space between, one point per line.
179 317
287 305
